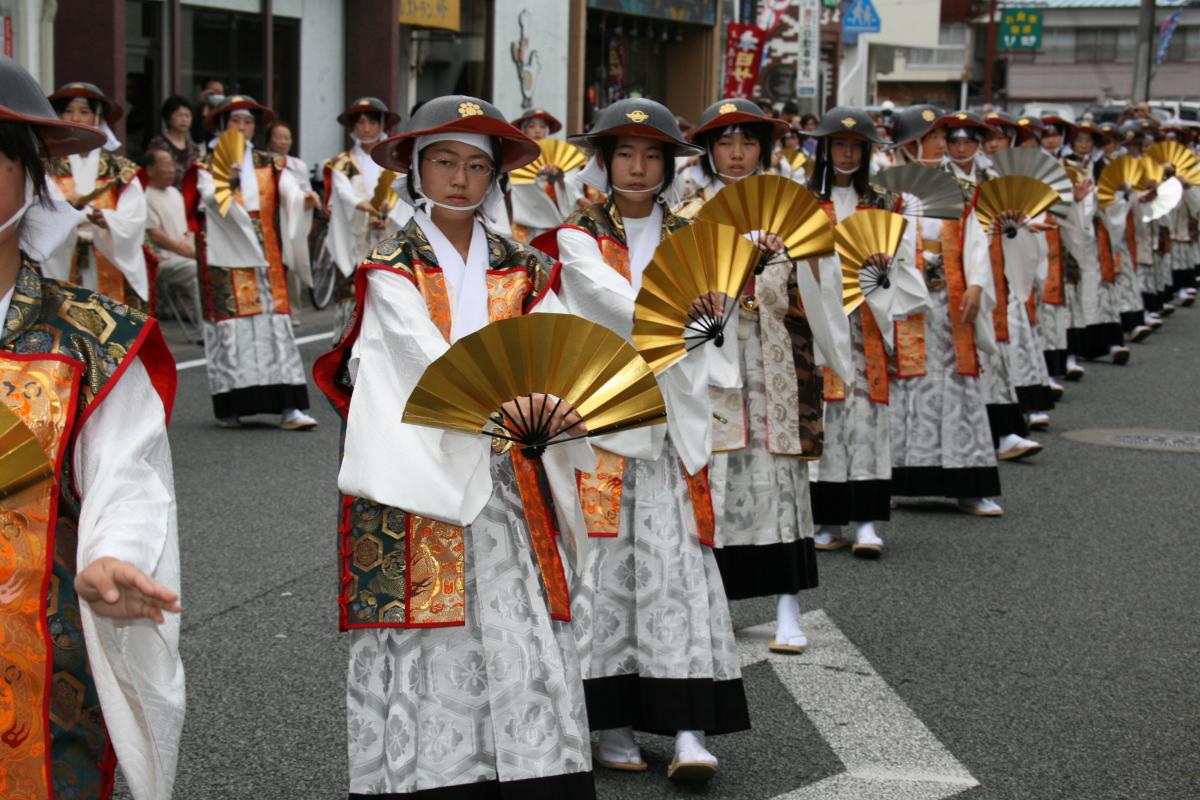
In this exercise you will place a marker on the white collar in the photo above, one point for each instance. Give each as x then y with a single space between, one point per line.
5 302
466 281
642 235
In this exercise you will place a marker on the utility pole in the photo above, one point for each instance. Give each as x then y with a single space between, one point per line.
989 58
1145 52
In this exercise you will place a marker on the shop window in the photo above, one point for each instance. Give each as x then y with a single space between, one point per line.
453 62
1058 46
143 74
1096 45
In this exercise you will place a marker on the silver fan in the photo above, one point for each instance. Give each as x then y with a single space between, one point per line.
1038 165
1167 195
927 192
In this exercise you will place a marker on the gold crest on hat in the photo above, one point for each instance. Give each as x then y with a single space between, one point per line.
727 108
960 116
470 110
928 115
638 116
848 122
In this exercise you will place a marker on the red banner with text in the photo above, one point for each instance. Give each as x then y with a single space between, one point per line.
743 56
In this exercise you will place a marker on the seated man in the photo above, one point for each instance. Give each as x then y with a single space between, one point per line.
167 229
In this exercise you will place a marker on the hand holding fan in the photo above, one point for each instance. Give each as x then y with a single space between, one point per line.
385 196
1184 161
518 380
227 159
771 205
1120 176
555 153
688 291
867 241
1005 204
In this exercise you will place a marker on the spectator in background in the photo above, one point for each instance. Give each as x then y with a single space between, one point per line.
809 123
211 95
279 141
791 114
167 229
176 137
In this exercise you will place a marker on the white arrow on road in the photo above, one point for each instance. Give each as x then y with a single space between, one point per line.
888 753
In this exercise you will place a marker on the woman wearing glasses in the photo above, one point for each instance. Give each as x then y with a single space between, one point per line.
460 682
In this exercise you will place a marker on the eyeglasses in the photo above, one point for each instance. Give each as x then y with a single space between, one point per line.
448 169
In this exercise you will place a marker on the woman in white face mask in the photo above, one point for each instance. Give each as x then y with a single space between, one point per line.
351 180
452 518
90 543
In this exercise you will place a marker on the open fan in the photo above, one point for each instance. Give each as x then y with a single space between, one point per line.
385 196
763 204
1120 176
227 157
22 460
555 153
927 192
1152 172
568 357
689 289
1037 165
867 240
1074 173
1167 195
1005 204
1187 168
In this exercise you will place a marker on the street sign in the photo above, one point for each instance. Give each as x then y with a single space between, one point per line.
861 17
808 60
1020 29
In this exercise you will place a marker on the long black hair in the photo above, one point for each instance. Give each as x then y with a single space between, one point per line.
607 148
823 173
759 132
19 143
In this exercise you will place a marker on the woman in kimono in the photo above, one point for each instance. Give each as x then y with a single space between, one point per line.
1135 318
544 204
1005 417
351 178
759 472
1095 249
941 442
104 253
253 363
89 556
464 680
651 618
851 483
280 140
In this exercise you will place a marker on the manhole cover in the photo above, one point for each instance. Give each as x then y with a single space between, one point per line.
1140 439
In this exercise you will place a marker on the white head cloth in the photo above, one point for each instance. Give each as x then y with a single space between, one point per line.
111 143
369 168
476 140
46 225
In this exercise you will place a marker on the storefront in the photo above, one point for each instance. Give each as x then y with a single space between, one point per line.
445 49
663 49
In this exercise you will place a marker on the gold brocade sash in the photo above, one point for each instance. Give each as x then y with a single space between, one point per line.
41 391
1000 312
910 332
1104 246
876 358
1131 241
1052 289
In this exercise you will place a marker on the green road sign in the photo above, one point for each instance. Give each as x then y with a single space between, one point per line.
1020 29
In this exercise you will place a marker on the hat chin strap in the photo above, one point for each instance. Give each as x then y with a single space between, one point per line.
722 175
843 171
623 190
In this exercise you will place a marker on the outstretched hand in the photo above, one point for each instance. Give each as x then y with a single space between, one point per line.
117 589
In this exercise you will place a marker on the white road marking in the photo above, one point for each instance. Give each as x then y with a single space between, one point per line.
180 366
888 753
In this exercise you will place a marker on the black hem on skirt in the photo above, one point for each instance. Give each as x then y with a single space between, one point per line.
1075 341
572 786
1131 320
958 482
252 400
1152 301
1006 418
765 570
1056 363
851 501
1182 279
1095 341
666 705
1035 398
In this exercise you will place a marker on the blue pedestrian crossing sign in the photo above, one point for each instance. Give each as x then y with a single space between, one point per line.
860 17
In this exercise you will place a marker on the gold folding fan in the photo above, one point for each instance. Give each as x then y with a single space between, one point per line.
689 290
580 362
796 158
763 204
927 192
1152 172
385 196
1004 204
23 462
1187 168
227 157
866 241
555 153
1120 176
1075 174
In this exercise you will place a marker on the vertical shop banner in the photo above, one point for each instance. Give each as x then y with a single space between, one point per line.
743 55
808 63
8 35
1164 37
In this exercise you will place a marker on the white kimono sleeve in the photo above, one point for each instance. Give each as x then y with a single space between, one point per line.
123 467
294 223
830 268
347 224
122 242
229 241
977 269
434 473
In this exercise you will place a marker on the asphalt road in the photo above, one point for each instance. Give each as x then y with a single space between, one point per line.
1052 651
